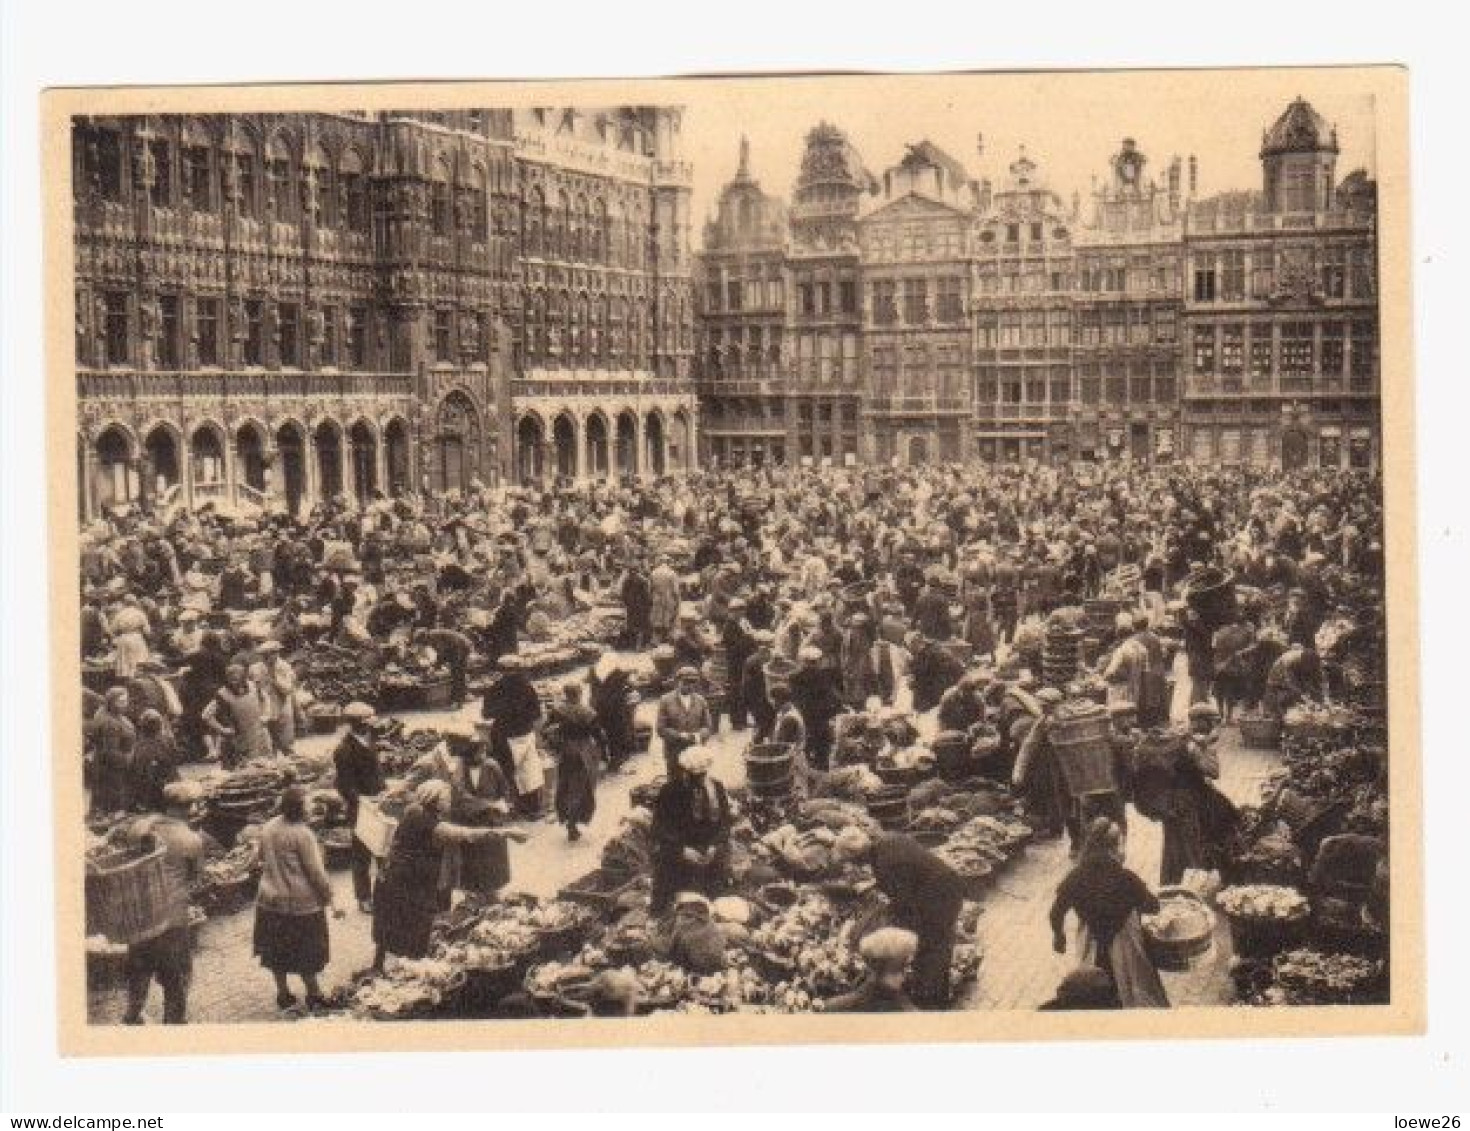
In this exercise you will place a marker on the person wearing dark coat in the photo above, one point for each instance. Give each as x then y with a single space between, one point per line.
511 701
637 601
925 896
934 671
683 719
576 739
818 696
453 650
691 832
739 645
204 675
614 701
502 638
753 687
359 775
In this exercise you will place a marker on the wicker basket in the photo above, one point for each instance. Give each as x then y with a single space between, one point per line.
1265 938
599 890
1260 732
129 903
1184 952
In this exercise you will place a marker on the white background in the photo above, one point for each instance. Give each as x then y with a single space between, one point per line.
127 41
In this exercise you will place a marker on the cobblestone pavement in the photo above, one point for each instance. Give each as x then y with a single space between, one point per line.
1018 971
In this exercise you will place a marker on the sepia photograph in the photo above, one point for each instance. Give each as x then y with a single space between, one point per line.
717 561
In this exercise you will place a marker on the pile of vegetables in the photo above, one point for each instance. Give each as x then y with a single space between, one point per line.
1319 721
630 850
335 675
1310 977
1264 902
412 987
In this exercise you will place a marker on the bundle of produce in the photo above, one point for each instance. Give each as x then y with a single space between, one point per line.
1264 902
836 815
733 989
1309 977
413 987
934 820
908 759
399 753
1268 857
805 855
661 985
783 935
235 866
507 932
828 966
1369 814
899 728
250 791
1318 721
336 675
964 963
1180 931
854 783
630 851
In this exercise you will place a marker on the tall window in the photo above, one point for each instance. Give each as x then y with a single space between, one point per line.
847 296
1166 325
331 332
197 183
1089 327
1232 276
1332 349
915 302
115 327
162 189
1204 284
1204 351
254 332
439 209
108 168
712 296
1010 329
1333 272
1034 328
1365 349
282 198
885 302
354 196
168 332
288 325
1261 352
1232 350
443 321
206 330
1263 274
734 295
357 337
247 184
1296 349
1058 328
1138 325
949 308
1361 261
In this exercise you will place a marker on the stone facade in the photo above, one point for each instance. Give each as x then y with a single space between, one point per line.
929 316
281 308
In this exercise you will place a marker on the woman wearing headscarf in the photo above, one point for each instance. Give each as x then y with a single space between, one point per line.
1108 900
577 741
293 900
408 895
238 715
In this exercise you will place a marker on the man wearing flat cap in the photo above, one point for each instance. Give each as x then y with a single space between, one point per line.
691 831
683 718
359 775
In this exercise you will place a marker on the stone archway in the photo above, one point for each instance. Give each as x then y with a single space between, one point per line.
530 450
1295 449
327 440
250 457
681 451
918 450
656 457
396 456
291 446
363 446
598 463
564 444
627 444
457 443
115 481
207 464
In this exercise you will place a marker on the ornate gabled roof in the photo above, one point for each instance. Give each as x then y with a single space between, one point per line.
925 153
829 158
1300 129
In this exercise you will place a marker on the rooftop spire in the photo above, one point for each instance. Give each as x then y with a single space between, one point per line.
743 173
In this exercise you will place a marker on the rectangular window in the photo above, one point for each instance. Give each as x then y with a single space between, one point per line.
1010 330
885 303
1333 269
1035 231
288 316
950 309
1034 328
254 332
1361 266
1263 274
330 332
1011 392
735 294
1204 284
1061 390
1138 326
712 296
1166 323
1138 390
1261 351
847 296
915 302
246 182
824 298
808 298
357 337
1204 352
1365 350
168 332
115 327
109 165
1114 326
196 178
1296 349
1232 350
1117 390
443 330
1332 349
206 330
1165 390
1232 276
1090 328
162 189
1013 233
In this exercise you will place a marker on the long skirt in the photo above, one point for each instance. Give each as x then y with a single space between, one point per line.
576 782
1128 964
403 919
291 944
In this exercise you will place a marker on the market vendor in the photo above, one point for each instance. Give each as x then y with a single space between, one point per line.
452 649
512 704
237 717
409 895
889 953
691 831
359 774
818 697
111 735
934 671
925 896
1198 819
963 705
1038 777
683 718
1294 677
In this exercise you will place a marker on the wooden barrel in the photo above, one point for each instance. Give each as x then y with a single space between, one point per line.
768 764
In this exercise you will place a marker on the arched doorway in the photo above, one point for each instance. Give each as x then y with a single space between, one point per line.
115 482
680 450
530 449
564 439
457 443
597 461
250 457
1294 449
395 456
364 448
328 443
291 446
653 439
918 450
207 464
162 449
627 462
